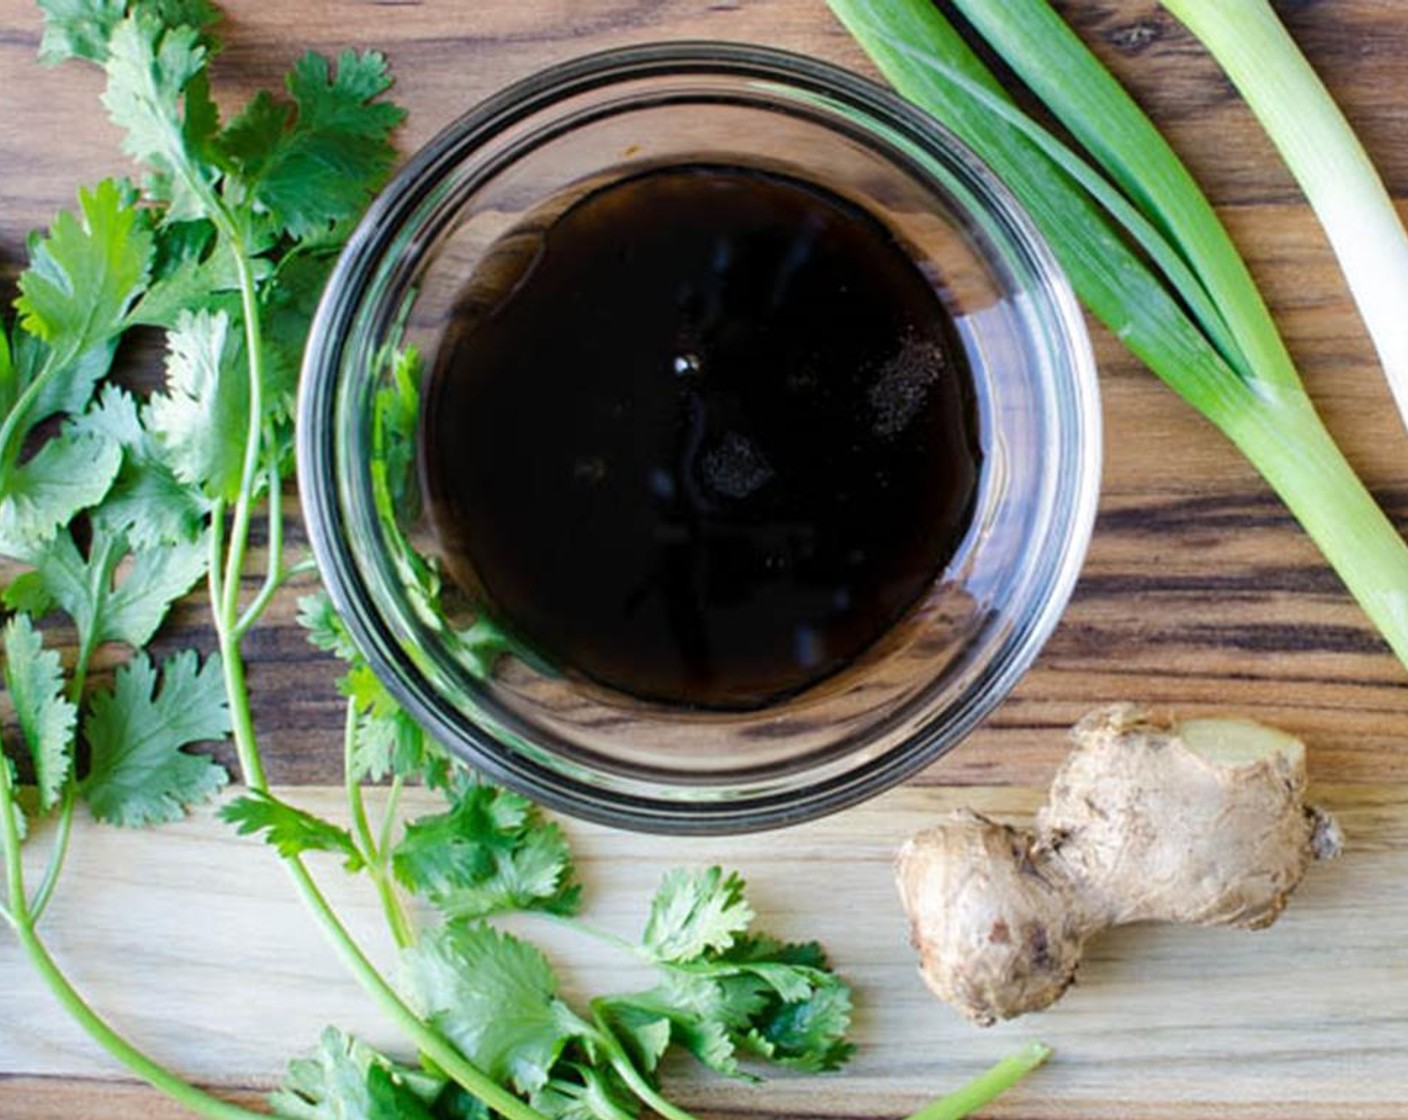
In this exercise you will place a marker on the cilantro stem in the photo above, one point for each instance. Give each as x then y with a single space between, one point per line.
57 854
241 718
604 936
374 853
355 803
213 581
639 1085
388 817
986 1086
303 567
14 421
274 566
10 837
161 1078
244 505
429 1041
22 921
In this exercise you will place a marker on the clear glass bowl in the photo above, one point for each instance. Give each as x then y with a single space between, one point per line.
575 745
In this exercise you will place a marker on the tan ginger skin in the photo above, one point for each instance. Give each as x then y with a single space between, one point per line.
1200 822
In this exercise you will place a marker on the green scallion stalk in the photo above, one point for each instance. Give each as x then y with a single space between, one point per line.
1327 159
987 1086
1231 366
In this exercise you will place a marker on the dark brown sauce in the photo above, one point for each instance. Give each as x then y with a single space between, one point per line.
704 435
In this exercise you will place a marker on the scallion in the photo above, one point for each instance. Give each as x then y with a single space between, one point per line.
1327 159
1186 306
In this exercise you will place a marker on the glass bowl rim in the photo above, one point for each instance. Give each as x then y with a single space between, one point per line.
1075 500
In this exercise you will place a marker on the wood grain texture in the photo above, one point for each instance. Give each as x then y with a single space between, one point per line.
192 942
1199 594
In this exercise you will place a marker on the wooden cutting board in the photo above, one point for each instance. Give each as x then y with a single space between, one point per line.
1200 594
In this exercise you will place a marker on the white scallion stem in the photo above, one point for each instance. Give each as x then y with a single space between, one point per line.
1327 159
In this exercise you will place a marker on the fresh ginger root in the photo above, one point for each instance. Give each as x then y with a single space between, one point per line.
1199 822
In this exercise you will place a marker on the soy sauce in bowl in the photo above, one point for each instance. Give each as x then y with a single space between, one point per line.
701 435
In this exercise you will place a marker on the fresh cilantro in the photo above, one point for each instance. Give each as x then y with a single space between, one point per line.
201 419
56 388
105 605
807 1034
193 270
495 997
35 682
68 474
82 28
84 276
117 509
150 65
724 989
289 828
316 162
388 740
140 772
345 1079
644 1033
286 315
579 1091
78 28
81 279
491 852
325 627
26 595
695 911
147 504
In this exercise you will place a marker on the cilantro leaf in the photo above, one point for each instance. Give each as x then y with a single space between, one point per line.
128 609
345 1079
643 1032
723 989
147 503
139 601
290 829
63 388
492 852
83 277
325 627
800 1010
807 1034
495 998
201 420
26 594
579 1091
35 682
81 28
21 821
388 740
78 28
139 772
318 161
194 269
694 911
150 64
68 474
697 1009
